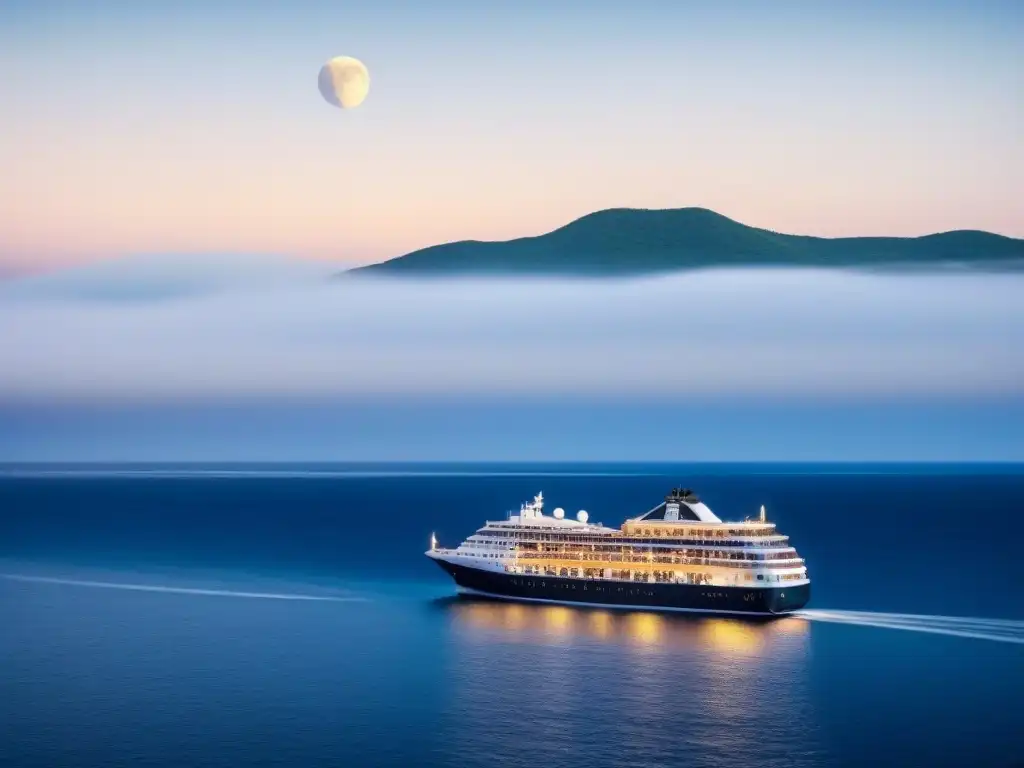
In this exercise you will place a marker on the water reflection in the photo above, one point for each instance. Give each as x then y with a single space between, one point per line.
517 622
664 689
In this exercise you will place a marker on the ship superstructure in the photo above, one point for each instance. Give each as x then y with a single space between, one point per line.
677 556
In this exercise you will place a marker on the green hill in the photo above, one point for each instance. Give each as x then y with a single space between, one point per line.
625 241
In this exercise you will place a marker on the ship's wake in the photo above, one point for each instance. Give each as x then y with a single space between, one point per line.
1000 630
163 588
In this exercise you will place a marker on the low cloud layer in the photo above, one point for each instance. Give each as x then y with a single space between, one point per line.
742 333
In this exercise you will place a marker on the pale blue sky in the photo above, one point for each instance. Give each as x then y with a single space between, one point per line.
530 430
197 126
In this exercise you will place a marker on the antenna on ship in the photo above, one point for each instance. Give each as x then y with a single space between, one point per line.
433 542
763 518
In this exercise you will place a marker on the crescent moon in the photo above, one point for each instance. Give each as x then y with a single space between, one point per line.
344 82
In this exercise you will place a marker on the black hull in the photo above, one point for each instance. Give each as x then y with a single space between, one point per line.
624 594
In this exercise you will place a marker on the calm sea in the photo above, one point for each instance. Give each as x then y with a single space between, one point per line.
286 616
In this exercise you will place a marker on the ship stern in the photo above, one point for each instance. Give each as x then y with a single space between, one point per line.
789 599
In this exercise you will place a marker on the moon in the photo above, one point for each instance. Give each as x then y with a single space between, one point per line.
344 82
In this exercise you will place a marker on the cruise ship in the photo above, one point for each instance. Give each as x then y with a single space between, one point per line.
678 556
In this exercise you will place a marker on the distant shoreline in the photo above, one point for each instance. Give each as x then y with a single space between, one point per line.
640 242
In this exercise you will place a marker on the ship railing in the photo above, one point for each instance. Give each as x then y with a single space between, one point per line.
643 557
615 552
655 577
792 562
646 541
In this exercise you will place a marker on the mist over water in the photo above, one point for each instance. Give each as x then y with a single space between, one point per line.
738 333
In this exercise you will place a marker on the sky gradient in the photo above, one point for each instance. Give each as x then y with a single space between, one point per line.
196 127
185 147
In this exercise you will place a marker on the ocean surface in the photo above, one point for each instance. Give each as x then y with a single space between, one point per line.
285 615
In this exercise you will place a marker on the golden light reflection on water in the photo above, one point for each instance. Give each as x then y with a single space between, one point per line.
601 624
644 629
517 616
557 620
721 677
732 637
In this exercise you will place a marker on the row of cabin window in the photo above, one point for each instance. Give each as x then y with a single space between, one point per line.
618 541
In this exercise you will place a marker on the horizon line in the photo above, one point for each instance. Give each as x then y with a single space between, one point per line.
14 267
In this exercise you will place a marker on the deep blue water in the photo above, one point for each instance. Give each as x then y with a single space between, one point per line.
394 671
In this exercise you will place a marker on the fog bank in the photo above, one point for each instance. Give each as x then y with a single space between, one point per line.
742 333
